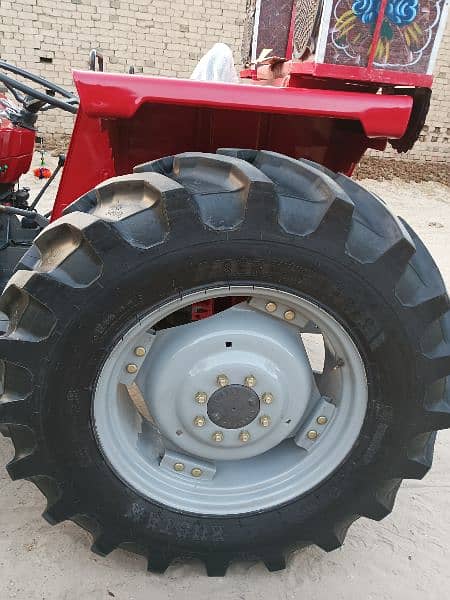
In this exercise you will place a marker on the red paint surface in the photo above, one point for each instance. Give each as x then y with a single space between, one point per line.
16 150
127 120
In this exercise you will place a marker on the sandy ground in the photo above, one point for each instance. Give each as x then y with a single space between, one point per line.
405 557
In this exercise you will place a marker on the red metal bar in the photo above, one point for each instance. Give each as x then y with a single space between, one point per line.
376 33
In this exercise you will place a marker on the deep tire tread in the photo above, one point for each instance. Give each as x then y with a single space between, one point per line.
264 191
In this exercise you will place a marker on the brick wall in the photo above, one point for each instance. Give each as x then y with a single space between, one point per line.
159 37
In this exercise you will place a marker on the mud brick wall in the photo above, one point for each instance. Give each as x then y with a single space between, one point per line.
158 37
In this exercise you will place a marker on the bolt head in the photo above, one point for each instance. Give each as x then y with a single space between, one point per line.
322 420
289 315
312 435
131 368
199 421
139 351
222 380
271 307
196 472
265 421
217 436
178 467
201 397
250 381
267 398
244 437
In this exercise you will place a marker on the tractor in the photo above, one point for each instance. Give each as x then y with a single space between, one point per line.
218 345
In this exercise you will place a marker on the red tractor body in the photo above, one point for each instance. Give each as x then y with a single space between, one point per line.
127 120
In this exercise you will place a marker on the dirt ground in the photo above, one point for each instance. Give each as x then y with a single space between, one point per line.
404 557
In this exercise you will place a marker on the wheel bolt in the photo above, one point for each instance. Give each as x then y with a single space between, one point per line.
271 307
196 472
179 467
312 435
265 421
322 420
289 315
199 421
244 436
217 436
267 398
222 380
131 368
139 351
250 381
201 397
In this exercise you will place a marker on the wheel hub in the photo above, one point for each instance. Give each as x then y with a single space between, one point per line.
232 359
233 406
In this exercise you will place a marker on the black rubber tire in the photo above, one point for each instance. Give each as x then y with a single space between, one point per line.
197 220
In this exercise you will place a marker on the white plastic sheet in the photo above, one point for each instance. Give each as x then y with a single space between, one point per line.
217 65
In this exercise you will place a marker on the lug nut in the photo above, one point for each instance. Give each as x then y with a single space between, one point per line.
289 315
199 421
265 421
267 398
201 397
217 436
131 368
222 380
271 307
179 467
312 435
196 472
250 381
139 351
244 436
322 420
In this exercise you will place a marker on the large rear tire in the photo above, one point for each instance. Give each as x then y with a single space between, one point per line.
195 223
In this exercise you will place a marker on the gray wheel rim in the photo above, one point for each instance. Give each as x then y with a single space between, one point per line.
147 414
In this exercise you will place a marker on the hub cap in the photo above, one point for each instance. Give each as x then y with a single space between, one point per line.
235 413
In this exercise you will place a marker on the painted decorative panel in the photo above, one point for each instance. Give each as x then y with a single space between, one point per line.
274 26
410 33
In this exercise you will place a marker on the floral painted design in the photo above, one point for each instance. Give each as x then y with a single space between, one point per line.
406 36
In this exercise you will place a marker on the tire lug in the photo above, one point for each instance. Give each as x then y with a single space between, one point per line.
265 421
267 398
289 315
131 368
199 421
271 307
244 437
178 467
217 436
322 420
196 472
250 381
201 397
222 380
139 351
312 434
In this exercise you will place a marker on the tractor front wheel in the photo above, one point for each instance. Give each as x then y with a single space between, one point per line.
224 357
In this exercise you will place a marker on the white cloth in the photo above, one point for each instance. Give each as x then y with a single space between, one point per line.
217 65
